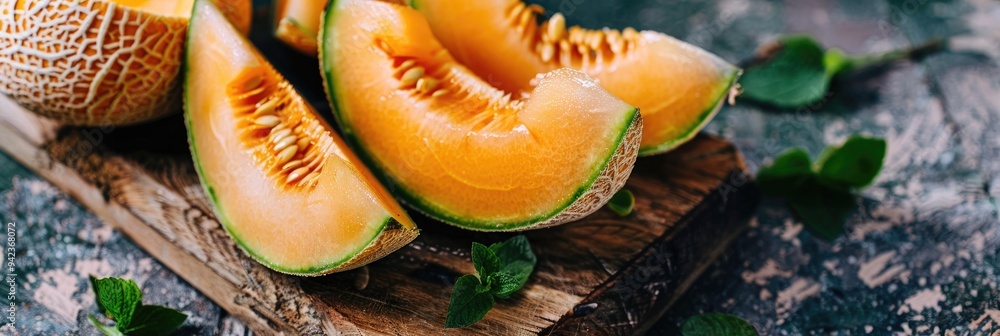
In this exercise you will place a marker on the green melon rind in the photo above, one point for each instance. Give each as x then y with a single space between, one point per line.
221 213
706 115
412 198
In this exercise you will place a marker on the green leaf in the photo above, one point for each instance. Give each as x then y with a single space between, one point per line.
516 258
106 330
155 321
717 325
504 284
117 298
794 75
484 260
795 71
470 301
854 164
822 208
822 194
786 174
622 203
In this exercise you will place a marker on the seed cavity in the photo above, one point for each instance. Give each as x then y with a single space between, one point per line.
570 46
417 79
279 128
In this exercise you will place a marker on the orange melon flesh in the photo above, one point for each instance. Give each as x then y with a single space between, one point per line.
344 220
678 87
297 23
470 156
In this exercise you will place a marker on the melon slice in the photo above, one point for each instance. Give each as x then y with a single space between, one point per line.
297 23
678 87
98 62
458 149
284 185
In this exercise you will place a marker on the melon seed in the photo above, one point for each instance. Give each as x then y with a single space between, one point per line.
565 54
523 21
411 76
284 142
548 50
517 9
279 133
312 177
386 47
287 154
252 83
290 165
267 120
303 142
426 84
407 64
295 175
630 34
439 93
557 27
267 107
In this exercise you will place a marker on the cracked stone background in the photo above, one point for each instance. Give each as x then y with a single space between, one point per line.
920 257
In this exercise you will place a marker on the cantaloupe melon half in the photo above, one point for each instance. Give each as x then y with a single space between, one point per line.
678 87
457 148
284 185
98 62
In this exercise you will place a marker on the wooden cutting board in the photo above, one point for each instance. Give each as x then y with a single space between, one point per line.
602 275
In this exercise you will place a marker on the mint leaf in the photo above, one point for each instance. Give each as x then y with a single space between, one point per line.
503 284
121 300
516 258
822 195
117 298
155 321
793 74
484 260
717 324
786 174
470 301
106 330
622 203
823 209
796 71
503 269
855 164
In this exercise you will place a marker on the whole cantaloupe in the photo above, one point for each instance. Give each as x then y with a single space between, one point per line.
98 62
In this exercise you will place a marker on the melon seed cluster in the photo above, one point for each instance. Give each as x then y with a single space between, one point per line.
555 43
411 75
275 128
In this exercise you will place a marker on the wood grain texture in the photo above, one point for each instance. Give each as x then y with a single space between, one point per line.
604 274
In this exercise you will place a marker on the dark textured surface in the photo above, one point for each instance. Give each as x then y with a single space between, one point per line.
920 257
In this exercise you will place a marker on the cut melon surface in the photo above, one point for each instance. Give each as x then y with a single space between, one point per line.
297 23
98 62
458 149
284 185
678 87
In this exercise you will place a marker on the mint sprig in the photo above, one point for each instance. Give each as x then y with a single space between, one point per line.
822 194
121 300
502 269
796 71
714 324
